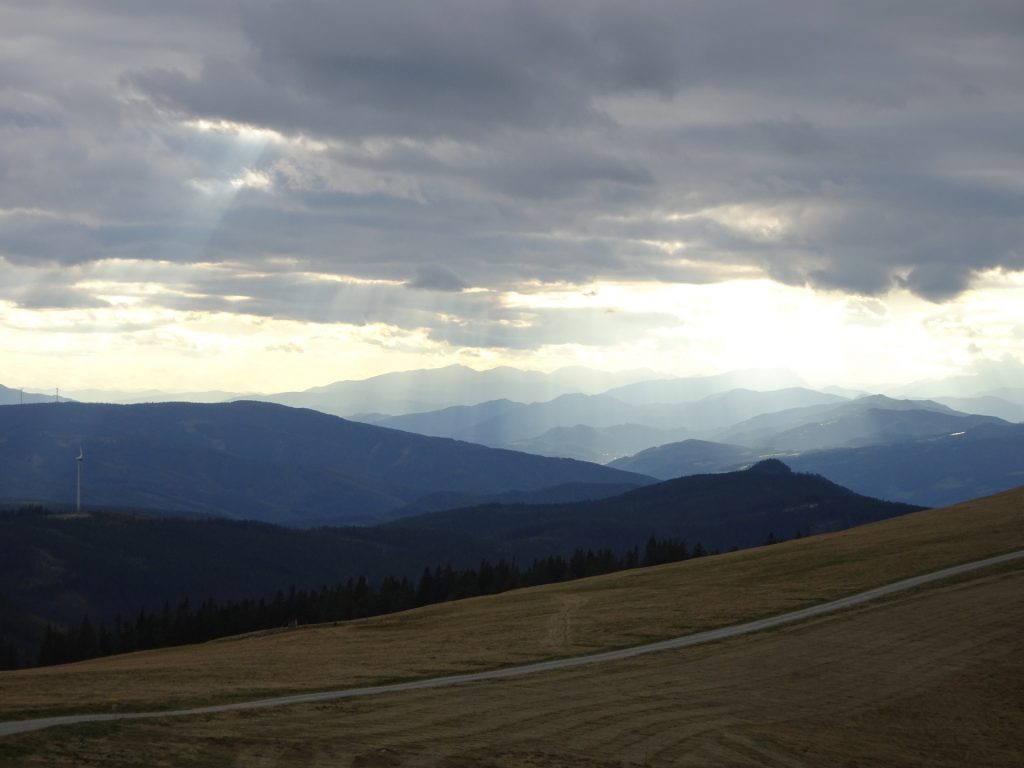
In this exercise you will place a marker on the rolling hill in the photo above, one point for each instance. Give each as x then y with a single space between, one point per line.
254 461
58 567
719 510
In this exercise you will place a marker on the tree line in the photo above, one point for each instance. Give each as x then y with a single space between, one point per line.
188 622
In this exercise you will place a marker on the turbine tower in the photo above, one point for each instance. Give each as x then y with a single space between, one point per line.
78 488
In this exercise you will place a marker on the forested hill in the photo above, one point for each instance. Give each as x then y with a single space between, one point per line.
256 461
721 510
58 567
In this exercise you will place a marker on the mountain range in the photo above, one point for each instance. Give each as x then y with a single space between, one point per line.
257 461
415 391
628 421
434 388
934 470
605 429
988 405
431 389
502 423
867 420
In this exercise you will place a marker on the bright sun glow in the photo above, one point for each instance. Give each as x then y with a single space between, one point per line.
675 329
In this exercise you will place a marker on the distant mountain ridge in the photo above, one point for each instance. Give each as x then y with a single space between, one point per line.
499 422
692 388
401 391
866 420
421 390
454 385
256 461
987 405
607 418
934 470
130 397
601 427
503 423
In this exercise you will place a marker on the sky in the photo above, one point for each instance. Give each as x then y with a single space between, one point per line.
269 196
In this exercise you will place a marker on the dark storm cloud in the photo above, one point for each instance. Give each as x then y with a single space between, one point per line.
462 69
853 146
407 69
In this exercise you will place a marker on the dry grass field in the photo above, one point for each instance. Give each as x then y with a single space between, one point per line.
934 677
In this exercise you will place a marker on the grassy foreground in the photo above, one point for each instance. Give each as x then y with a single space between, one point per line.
611 611
929 678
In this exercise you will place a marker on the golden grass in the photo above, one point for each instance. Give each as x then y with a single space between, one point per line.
933 678
557 620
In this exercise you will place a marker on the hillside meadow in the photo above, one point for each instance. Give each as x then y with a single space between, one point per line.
930 678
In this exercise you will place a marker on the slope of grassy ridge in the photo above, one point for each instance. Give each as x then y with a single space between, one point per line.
558 620
929 678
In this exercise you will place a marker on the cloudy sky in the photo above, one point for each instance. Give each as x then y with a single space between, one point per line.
260 196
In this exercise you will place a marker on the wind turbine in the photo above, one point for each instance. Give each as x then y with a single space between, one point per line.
78 495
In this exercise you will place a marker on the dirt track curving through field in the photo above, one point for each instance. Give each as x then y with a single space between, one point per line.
722 633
